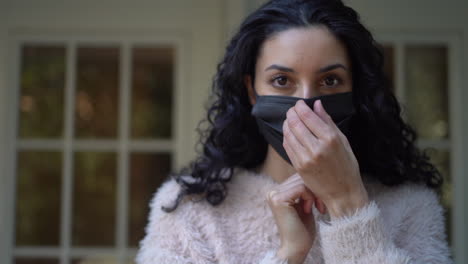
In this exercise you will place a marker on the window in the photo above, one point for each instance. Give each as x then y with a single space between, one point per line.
96 135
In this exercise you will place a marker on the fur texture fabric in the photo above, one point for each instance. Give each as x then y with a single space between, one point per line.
401 224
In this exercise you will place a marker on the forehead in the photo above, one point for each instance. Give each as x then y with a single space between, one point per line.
313 46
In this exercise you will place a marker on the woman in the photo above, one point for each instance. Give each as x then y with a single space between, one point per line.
306 158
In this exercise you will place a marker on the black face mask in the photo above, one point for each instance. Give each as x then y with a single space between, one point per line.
270 113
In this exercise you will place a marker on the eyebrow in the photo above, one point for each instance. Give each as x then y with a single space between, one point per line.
332 67
321 70
279 67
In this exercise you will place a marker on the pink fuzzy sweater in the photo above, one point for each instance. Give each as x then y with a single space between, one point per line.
403 224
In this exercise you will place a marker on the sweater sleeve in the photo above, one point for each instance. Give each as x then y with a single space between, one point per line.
362 238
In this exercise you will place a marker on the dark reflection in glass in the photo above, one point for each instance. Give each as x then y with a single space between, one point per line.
389 65
95 260
152 92
38 198
148 171
42 84
94 199
32 260
97 94
427 90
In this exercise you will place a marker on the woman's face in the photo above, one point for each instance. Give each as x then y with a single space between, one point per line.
301 62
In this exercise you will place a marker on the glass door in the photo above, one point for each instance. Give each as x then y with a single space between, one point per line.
95 138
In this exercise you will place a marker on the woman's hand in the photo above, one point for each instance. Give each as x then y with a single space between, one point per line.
322 156
291 204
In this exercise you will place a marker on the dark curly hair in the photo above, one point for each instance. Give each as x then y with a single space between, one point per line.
385 149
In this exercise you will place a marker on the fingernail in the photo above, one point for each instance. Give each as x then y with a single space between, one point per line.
316 105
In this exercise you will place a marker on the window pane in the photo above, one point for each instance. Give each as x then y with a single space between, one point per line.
97 92
441 159
147 172
389 64
152 91
38 198
94 199
95 260
42 81
23 260
427 90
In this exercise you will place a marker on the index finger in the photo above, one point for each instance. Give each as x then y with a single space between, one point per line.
319 127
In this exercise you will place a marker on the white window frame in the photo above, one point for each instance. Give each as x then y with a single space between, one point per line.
122 145
455 142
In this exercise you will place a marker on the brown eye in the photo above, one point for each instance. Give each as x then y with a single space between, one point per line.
331 81
281 81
